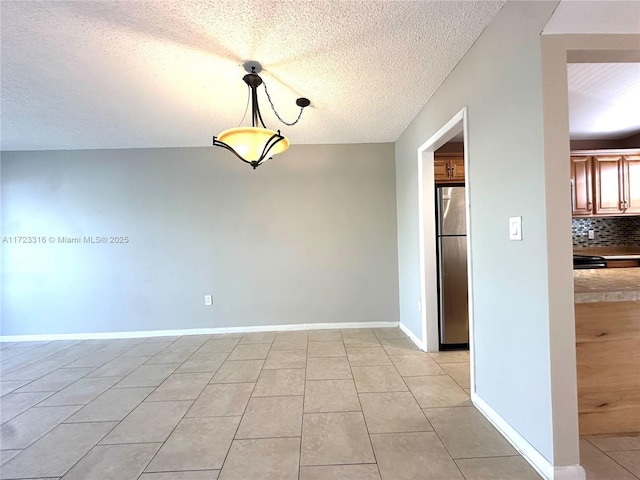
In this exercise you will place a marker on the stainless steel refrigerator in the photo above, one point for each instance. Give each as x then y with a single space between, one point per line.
452 267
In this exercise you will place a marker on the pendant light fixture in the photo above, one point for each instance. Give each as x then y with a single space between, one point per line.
256 144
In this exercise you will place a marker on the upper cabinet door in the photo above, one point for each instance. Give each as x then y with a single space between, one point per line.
457 168
448 168
582 187
441 169
631 173
609 189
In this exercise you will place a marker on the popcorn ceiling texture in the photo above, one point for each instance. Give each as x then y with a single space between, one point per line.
134 74
608 232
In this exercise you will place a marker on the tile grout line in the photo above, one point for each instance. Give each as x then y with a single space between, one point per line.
339 464
124 354
3 422
90 450
364 418
427 418
96 368
616 461
29 381
53 371
304 398
224 460
38 360
117 423
84 405
116 387
408 390
185 412
490 456
47 431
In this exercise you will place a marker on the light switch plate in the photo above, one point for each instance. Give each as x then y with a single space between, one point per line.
515 228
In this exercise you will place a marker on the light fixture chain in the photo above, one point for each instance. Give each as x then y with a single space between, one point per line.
274 108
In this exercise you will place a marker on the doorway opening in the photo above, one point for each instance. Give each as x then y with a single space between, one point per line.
604 139
432 251
451 246
559 50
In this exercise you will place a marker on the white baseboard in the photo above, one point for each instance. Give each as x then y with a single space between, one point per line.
528 451
193 331
412 336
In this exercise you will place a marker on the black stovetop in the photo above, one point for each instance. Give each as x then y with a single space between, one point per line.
588 261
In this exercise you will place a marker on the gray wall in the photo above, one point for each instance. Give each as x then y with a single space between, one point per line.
499 80
308 237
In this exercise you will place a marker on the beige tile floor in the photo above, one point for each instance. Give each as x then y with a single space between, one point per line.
332 404
611 458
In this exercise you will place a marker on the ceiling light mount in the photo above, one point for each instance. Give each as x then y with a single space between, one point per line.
252 66
255 145
252 79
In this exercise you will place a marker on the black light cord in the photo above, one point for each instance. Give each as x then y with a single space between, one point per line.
274 108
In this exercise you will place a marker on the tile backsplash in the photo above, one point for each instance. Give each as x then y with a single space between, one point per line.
608 232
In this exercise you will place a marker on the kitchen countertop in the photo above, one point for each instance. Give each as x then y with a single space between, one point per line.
607 285
612 253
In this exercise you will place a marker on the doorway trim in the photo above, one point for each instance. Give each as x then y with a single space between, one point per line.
557 51
426 225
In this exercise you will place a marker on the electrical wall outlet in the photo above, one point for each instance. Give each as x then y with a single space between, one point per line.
591 235
208 300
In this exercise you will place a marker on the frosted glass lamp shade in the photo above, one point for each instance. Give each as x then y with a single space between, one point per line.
249 142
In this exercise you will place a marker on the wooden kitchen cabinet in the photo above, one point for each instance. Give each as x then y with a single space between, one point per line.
631 173
441 170
448 168
581 185
609 186
623 263
457 166
607 356
605 182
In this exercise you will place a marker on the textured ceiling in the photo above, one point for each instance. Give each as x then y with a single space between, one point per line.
111 74
604 100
